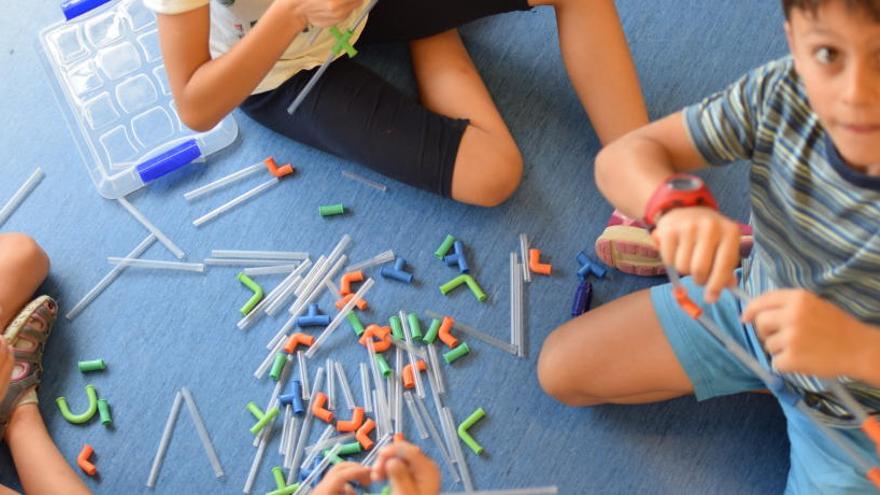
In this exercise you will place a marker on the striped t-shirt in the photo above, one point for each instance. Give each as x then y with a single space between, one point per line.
814 218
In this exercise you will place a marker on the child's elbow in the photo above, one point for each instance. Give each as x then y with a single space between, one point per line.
604 167
197 120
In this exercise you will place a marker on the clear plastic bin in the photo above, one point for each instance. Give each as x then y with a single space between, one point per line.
106 68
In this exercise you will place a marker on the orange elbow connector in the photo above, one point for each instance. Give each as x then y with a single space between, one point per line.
347 279
871 427
318 410
689 307
361 304
298 339
535 264
445 332
82 460
381 337
357 420
409 380
277 171
363 434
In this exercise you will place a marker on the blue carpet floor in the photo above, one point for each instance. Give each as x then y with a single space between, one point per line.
161 331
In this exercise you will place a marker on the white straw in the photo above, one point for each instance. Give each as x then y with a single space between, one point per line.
109 278
285 425
321 445
438 440
364 181
473 332
166 438
203 432
269 270
411 407
518 306
376 450
314 273
239 262
379 259
21 194
306 428
397 395
258 457
365 387
312 452
281 298
524 256
456 450
344 385
434 363
156 265
331 385
260 255
303 374
340 317
229 179
235 202
152 228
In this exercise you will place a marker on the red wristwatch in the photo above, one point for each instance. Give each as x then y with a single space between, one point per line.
678 191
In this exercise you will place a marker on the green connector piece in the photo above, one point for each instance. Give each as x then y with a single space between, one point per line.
386 490
335 459
255 288
444 248
433 330
104 412
396 328
89 413
278 366
464 279
383 365
331 210
349 449
415 328
355 323
288 490
453 355
269 416
466 425
255 410
343 43
93 365
278 475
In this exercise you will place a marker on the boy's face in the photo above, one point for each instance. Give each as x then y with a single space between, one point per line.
837 54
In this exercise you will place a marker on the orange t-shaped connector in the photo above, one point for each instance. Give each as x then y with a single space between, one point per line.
363 434
347 280
277 171
381 337
409 380
298 339
535 264
357 419
445 332
318 410
82 460
361 304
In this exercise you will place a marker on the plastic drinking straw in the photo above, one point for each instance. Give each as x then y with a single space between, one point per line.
267 303
284 295
109 278
302 303
239 262
152 228
166 438
456 450
397 403
285 426
380 444
401 344
260 255
219 183
314 79
379 400
276 391
306 427
379 259
363 180
524 256
539 490
303 374
21 194
341 246
331 384
203 432
269 270
345 386
258 457
235 202
380 414
323 444
434 364
291 441
340 317
330 285
407 334
308 281
513 273
156 265
477 334
438 440
305 486
411 407
328 431
520 322
365 387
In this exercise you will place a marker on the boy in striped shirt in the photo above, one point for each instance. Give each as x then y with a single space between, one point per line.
809 127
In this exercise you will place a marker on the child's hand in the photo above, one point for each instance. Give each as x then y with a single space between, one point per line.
411 472
702 243
807 334
336 481
325 13
7 362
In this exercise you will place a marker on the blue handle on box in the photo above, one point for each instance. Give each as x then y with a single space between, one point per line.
169 161
76 8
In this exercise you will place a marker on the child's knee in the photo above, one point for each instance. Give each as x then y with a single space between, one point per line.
23 251
554 374
493 175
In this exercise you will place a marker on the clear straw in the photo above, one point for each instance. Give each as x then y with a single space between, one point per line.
411 407
229 179
306 428
397 397
434 363
285 293
157 265
203 432
285 427
166 438
291 441
239 262
524 256
540 490
401 344
332 287
379 259
267 363
363 180
152 228
258 457
271 298
456 450
235 202
303 302
323 444
312 452
260 255
376 450
518 309
269 270
331 385
438 440
365 387
477 334
513 274
420 388
303 374
314 273
276 391
305 486
377 379
380 414
345 386
340 317
21 194
109 278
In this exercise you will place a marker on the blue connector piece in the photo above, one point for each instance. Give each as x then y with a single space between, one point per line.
589 266
293 397
458 258
582 298
313 318
397 273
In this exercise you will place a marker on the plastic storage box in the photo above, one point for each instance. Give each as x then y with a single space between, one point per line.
107 70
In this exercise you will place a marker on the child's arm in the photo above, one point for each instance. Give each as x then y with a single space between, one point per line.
337 480
206 90
409 470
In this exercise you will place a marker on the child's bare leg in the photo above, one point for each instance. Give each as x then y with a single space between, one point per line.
616 353
488 167
600 65
23 267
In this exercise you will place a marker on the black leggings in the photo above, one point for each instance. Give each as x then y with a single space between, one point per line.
356 115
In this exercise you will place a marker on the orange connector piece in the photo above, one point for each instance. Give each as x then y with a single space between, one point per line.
381 337
82 460
361 304
689 307
398 437
409 381
871 427
318 410
445 332
277 171
357 419
874 476
535 264
363 434
347 279
296 340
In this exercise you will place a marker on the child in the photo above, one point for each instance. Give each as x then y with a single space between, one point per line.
256 54
810 126
409 471
41 467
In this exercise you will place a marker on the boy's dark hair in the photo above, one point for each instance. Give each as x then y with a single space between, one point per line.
870 6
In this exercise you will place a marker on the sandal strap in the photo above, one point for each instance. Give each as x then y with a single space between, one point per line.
29 356
36 336
14 394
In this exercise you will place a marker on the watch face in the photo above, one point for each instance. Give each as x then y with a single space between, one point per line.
685 183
